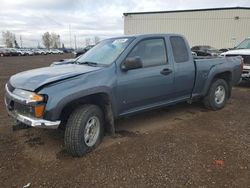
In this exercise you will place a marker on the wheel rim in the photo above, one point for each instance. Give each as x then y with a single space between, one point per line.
220 95
92 130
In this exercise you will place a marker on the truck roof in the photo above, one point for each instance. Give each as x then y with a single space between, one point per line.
149 35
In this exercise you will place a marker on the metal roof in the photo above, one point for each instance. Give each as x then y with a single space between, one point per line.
188 10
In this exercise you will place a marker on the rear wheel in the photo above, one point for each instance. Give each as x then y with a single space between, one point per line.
84 130
217 95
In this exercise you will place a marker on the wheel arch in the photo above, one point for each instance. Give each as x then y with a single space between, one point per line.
101 99
225 75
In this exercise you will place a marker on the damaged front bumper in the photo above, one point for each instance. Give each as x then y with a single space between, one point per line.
31 121
34 122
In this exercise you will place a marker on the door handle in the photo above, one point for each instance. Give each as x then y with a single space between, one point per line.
166 71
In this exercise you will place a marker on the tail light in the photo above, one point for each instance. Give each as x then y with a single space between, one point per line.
241 64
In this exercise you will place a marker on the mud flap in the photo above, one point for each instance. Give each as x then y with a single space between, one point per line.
109 120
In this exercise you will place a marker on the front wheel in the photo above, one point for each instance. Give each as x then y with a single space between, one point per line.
217 95
84 130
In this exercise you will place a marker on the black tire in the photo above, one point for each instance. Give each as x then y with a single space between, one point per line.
75 129
210 99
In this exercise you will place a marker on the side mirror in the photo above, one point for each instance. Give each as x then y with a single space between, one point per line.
131 63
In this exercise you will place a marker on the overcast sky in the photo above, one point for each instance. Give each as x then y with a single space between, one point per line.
86 18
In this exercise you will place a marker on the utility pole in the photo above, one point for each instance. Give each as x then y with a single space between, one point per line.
21 41
75 42
70 42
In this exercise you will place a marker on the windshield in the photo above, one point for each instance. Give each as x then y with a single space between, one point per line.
106 52
245 44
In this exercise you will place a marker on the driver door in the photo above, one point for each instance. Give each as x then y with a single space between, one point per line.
150 85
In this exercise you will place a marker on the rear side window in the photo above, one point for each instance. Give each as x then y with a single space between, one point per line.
151 51
180 50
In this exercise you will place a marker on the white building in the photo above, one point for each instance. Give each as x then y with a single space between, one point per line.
218 27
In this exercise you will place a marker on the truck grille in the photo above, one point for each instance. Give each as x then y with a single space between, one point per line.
245 71
245 57
23 109
17 107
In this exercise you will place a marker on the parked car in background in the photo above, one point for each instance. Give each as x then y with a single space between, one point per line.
4 52
82 51
225 49
119 77
14 52
37 51
29 52
194 54
47 51
205 50
243 50
20 52
40 52
23 52
56 51
67 50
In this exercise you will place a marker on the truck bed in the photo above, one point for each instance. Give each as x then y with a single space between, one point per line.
206 67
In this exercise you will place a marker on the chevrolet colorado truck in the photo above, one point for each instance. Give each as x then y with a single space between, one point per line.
243 50
118 77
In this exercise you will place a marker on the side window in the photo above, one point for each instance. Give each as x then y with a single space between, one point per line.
179 48
151 51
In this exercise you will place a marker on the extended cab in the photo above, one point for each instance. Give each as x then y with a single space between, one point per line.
118 77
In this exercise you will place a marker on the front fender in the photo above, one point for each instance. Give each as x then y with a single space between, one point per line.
54 109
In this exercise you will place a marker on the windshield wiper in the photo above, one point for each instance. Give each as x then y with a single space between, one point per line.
94 64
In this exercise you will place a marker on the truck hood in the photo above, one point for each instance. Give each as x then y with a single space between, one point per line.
237 52
33 79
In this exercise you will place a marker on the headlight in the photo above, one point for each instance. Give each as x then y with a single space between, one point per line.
28 95
35 100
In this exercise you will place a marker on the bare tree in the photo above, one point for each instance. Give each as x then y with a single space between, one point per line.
55 40
87 41
8 39
52 40
96 39
46 38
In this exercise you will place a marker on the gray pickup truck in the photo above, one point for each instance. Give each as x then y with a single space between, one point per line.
118 77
